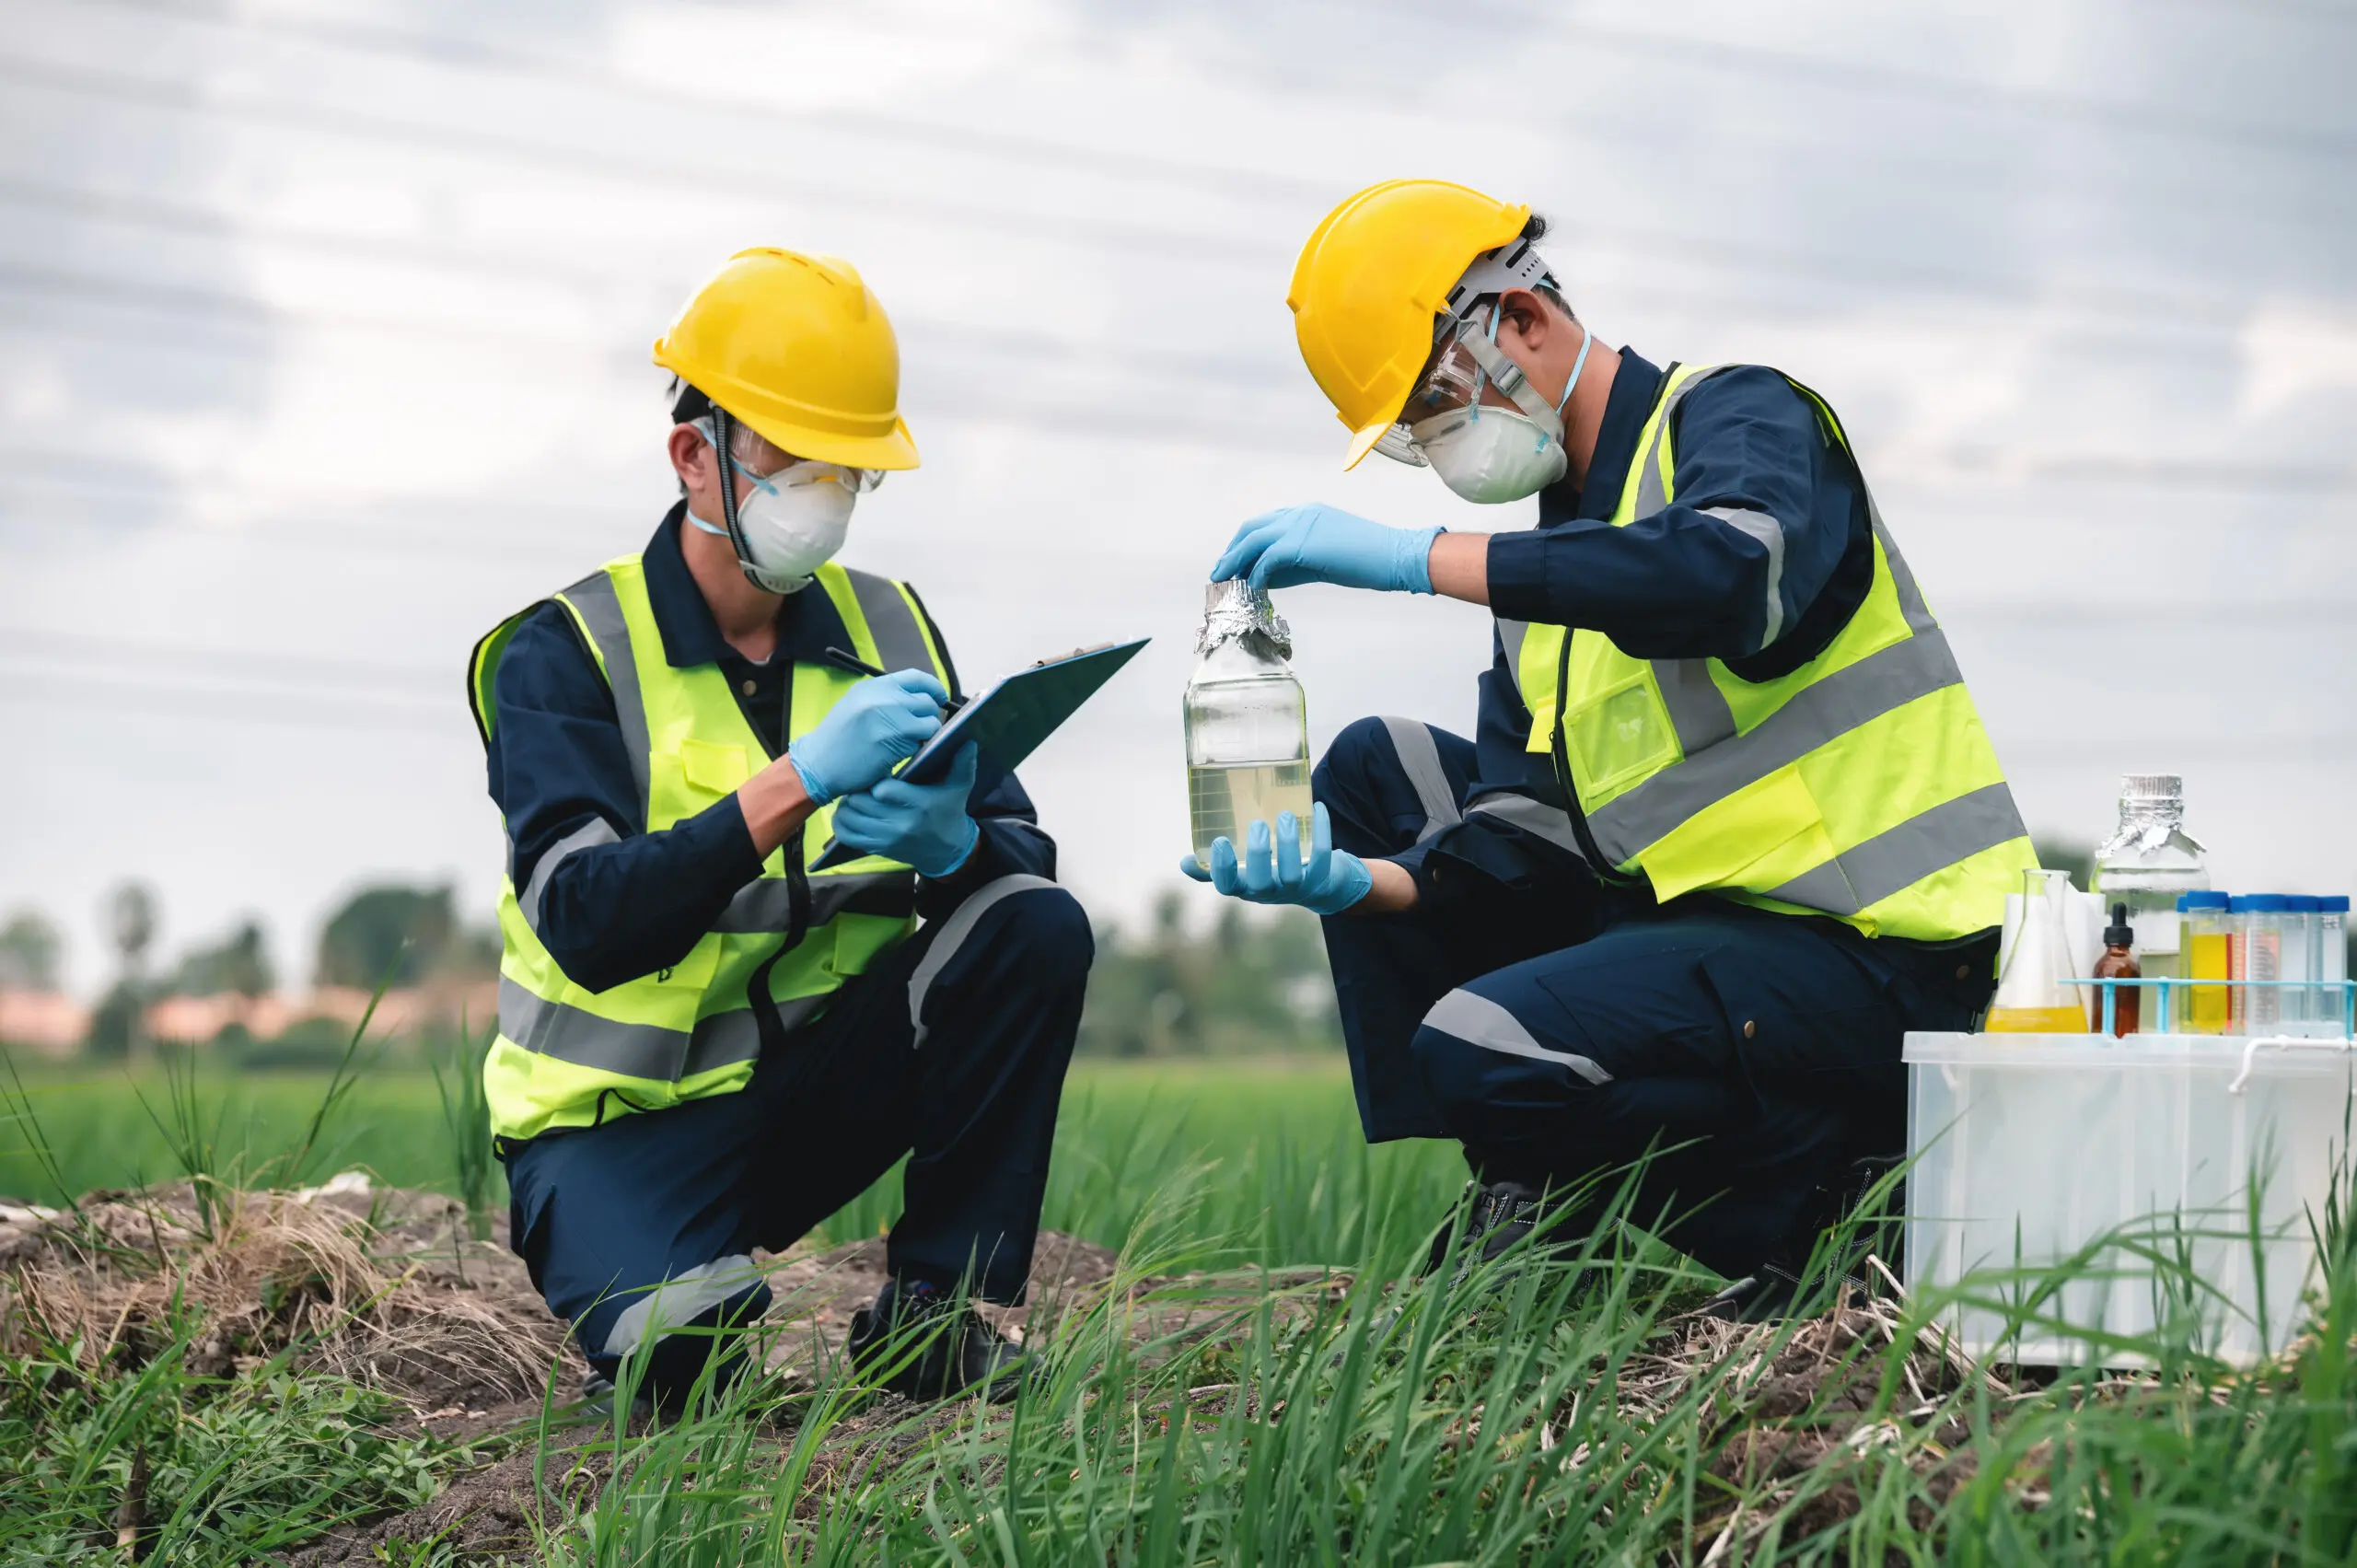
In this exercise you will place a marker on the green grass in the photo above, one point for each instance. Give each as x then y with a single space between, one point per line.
1294 1184
1538 1414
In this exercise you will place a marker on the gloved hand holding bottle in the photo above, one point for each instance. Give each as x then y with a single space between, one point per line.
1317 543
1331 881
926 826
878 724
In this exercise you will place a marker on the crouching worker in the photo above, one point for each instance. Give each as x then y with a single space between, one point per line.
1729 824
707 1044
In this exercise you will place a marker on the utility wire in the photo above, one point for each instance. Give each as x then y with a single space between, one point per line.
666 172
2175 313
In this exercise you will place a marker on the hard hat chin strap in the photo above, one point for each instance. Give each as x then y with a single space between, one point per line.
723 437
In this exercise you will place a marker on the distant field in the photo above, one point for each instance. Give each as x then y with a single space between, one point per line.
1283 1170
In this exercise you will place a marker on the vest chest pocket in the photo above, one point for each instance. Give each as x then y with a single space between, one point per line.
1617 735
684 782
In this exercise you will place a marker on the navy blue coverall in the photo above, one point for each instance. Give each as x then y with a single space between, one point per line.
951 1049
1559 1023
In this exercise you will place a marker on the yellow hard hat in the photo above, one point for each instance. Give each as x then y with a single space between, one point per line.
1370 281
799 348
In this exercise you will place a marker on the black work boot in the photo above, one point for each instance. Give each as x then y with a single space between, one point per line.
1501 1214
923 1342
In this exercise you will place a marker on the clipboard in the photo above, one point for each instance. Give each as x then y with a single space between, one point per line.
1009 721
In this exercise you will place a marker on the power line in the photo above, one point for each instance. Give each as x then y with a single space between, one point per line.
215 702
453 52
2175 313
668 173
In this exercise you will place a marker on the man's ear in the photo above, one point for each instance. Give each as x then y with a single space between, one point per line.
1528 317
691 459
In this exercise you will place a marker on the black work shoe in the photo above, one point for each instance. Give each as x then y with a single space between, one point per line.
1501 1214
923 1342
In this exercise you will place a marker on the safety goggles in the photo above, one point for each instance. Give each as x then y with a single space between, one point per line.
795 471
1466 359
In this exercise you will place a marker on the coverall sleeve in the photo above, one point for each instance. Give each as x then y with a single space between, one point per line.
1012 842
610 901
1758 526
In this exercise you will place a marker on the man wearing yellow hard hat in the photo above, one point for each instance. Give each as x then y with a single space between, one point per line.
1728 825
709 1040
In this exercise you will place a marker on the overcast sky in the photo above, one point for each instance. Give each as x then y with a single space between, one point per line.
323 346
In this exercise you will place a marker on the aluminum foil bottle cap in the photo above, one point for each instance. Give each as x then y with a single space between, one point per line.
2153 787
1233 610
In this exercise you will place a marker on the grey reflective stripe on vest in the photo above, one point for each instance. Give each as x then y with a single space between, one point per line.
1420 760
601 611
638 1051
1851 697
1898 858
1477 1020
767 905
1534 817
954 933
1698 710
682 1299
1510 636
900 641
597 831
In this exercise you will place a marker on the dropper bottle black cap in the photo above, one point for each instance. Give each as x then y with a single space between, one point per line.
2118 934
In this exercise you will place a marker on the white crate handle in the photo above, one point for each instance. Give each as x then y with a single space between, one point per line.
2281 1042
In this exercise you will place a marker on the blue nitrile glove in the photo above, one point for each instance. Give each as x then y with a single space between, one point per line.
1333 881
921 825
1317 543
878 724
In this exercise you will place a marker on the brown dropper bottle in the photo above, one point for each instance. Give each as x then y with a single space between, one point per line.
2118 964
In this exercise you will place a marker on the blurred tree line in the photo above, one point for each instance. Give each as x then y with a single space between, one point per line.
1250 983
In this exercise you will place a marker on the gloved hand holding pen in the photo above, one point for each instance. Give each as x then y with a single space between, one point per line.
1332 880
878 724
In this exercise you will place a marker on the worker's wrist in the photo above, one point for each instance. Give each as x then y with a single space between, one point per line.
774 801
1391 889
1415 573
813 787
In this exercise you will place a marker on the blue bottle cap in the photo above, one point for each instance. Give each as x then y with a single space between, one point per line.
2299 903
2186 902
2333 903
2256 903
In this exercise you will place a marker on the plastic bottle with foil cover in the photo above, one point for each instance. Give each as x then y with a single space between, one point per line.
1248 723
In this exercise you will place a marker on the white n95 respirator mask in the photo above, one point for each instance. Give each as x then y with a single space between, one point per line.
1490 455
792 522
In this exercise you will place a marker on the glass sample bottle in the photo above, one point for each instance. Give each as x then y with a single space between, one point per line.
2033 993
2205 954
1247 725
2151 860
2117 963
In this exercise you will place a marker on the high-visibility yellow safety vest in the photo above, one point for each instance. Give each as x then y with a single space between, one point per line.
566 1057
1862 785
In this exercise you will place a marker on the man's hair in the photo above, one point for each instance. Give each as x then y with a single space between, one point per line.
1533 231
746 445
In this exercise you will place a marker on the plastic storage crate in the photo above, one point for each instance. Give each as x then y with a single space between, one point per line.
2029 1148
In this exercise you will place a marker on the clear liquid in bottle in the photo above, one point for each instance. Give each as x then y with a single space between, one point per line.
1247 725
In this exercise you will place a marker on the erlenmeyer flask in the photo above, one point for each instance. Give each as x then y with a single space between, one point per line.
2031 996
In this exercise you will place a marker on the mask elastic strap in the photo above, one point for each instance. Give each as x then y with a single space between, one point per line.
1587 342
721 435
1507 377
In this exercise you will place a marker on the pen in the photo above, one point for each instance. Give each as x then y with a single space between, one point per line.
857 665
